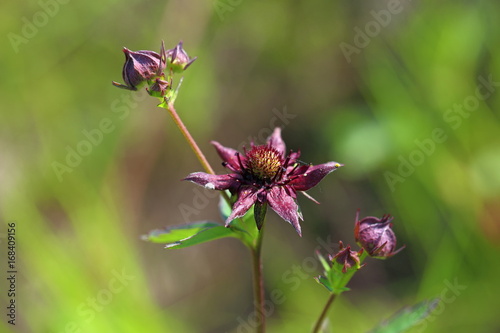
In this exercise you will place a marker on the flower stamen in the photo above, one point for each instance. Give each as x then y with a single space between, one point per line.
264 163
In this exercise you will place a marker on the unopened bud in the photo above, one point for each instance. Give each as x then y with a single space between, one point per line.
376 236
178 59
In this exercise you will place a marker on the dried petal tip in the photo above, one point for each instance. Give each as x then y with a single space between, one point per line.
178 59
376 236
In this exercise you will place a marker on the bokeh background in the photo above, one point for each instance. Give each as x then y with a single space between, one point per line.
396 90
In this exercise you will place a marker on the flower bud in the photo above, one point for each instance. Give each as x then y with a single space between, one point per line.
376 236
347 258
158 88
141 66
177 59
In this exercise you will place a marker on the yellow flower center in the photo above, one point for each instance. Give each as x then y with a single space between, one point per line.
264 162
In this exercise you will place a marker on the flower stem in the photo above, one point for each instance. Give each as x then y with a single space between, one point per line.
197 151
258 283
189 139
338 288
321 318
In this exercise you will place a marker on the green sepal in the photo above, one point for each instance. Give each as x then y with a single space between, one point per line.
407 317
259 212
323 262
336 279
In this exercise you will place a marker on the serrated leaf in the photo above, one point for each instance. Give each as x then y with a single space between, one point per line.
177 233
407 317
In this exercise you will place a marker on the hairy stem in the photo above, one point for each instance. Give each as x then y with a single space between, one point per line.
322 316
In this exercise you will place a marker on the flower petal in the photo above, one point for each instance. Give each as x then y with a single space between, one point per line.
313 175
276 141
285 206
247 196
212 182
229 155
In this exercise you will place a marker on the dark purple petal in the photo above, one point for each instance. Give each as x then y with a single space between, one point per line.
229 155
148 53
285 206
294 155
247 196
212 182
296 170
313 175
277 142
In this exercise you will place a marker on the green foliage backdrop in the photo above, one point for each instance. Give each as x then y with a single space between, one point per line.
404 93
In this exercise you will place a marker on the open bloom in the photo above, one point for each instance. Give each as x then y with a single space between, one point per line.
376 236
264 175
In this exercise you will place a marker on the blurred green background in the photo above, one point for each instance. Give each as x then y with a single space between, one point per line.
396 90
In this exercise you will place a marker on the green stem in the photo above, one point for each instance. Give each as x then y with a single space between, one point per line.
321 318
258 283
338 288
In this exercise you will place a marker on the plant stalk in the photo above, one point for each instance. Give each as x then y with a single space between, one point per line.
258 283
197 151
322 316
194 146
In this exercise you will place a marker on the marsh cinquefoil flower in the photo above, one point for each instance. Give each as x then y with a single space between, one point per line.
264 175
376 236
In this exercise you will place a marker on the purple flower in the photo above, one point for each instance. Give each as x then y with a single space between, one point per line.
376 236
265 175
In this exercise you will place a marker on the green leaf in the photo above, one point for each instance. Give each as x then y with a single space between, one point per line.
190 234
407 317
203 236
324 281
179 232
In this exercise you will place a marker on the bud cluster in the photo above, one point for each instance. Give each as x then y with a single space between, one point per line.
376 239
147 67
